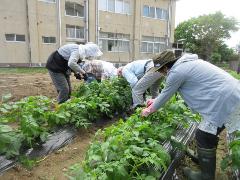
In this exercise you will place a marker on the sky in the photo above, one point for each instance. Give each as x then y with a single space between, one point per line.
186 9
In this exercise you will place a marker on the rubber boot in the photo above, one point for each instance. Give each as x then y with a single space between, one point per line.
192 155
207 162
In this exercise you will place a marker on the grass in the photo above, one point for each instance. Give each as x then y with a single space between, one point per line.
234 74
28 70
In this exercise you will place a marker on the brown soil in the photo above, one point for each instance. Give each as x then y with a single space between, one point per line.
55 165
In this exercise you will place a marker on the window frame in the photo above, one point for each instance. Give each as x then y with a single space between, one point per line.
48 1
75 32
164 12
49 42
15 37
115 40
160 42
123 11
74 3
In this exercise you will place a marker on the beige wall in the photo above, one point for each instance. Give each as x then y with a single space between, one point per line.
35 19
13 20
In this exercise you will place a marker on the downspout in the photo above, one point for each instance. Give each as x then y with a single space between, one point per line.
169 23
97 22
134 31
59 23
86 20
28 35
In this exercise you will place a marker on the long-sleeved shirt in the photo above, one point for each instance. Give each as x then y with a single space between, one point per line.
70 52
100 69
109 70
205 88
135 70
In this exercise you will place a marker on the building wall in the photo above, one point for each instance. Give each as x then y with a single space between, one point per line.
35 19
13 20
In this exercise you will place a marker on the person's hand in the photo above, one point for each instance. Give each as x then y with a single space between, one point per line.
146 111
149 102
78 76
85 76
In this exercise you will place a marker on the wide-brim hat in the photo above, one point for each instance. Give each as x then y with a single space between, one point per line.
162 59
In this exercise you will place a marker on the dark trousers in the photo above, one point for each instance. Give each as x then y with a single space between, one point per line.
206 140
62 84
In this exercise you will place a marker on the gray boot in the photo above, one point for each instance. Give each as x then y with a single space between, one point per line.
207 162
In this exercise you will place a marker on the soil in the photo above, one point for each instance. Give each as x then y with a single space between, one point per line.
54 166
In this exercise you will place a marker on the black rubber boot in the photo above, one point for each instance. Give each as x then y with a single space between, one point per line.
192 155
207 162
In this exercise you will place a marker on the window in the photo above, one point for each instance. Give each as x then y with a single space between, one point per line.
115 42
48 40
74 9
102 5
161 13
116 6
153 12
119 6
75 32
111 5
126 7
146 11
152 44
48 1
15 37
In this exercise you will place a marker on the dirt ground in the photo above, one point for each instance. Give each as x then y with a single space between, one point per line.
54 166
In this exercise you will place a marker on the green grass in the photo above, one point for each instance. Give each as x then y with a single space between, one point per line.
234 74
30 70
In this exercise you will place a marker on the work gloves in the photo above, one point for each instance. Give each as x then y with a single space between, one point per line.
85 77
79 76
146 111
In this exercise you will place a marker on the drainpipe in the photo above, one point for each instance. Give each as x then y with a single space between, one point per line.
169 22
134 30
28 35
59 23
97 22
86 20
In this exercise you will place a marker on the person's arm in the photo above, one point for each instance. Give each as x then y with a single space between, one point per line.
173 82
130 77
72 63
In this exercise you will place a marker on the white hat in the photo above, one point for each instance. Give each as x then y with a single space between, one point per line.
92 50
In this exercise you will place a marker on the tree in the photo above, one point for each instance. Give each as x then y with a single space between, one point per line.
206 33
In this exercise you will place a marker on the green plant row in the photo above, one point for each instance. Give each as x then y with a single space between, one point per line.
232 161
132 149
34 117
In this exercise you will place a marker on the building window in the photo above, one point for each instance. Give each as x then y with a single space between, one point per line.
15 37
74 9
116 6
111 5
48 1
102 5
161 14
75 32
156 13
48 40
114 42
152 44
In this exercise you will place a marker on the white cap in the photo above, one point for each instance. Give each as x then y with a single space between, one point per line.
92 50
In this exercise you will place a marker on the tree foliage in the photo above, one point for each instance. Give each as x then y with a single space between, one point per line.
205 34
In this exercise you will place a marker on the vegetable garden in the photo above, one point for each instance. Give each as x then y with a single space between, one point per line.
132 148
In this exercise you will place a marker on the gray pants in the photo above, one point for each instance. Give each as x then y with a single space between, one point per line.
62 84
150 80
